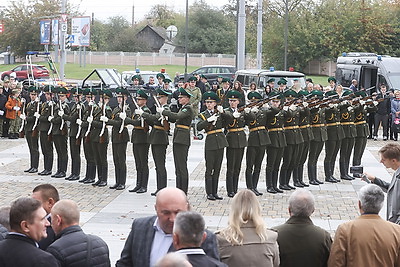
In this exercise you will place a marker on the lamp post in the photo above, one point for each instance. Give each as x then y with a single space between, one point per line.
186 37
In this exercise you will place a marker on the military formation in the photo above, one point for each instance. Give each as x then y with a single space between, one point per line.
289 127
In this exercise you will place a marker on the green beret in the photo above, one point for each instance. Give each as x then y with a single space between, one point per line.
193 78
331 79
136 77
210 96
160 75
272 80
49 89
233 94
33 89
166 80
331 93
290 93
62 90
282 81
161 92
361 93
107 93
183 92
254 95
225 80
140 94
347 92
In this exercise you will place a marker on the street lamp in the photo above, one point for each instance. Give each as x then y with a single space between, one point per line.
186 37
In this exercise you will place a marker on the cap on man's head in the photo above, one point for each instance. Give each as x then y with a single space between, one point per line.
331 79
233 95
161 92
282 81
140 94
183 92
160 75
254 96
193 78
210 96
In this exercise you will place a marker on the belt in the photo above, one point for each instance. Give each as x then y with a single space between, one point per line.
158 127
291 127
304 126
257 128
138 128
347 123
275 129
317 125
183 126
235 130
215 131
359 122
333 124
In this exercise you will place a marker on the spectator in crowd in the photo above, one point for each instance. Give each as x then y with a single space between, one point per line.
151 237
173 259
382 114
176 78
301 243
354 85
13 107
72 246
395 110
47 194
188 234
390 158
28 225
308 80
368 240
3 101
267 91
246 241
310 87
4 222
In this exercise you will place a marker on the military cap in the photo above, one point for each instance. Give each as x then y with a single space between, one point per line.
272 80
161 92
166 80
33 89
215 83
140 94
160 75
15 91
317 93
254 95
219 76
347 92
107 93
203 76
76 91
282 81
49 88
276 95
225 80
210 96
136 77
290 93
309 80
121 91
193 78
233 94
361 93
87 91
62 90
183 92
331 93
331 79
304 93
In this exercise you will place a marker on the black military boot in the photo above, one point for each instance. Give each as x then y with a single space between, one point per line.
296 179
268 180
328 174
343 173
275 181
283 180
210 196
288 175
311 177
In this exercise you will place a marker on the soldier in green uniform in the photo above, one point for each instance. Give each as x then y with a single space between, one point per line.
236 140
158 138
282 85
271 83
223 91
195 93
360 112
76 113
181 139
88 106
275 120
136 82
335 136
318 127
140 141
60 132
44 127
119 138
349 129
31 132
256 144
212 120
99 136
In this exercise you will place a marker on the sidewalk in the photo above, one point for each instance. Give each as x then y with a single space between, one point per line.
109 213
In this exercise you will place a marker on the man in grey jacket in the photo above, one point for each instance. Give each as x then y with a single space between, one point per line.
390 158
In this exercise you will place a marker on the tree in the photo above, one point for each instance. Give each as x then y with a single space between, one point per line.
162 16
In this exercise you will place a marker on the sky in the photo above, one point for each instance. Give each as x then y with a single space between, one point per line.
105 9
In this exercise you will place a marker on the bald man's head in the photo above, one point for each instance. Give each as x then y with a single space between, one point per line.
65 213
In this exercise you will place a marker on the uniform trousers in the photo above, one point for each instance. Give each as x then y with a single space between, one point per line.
33 144
60 143
159 157
100 158
213 169
234 158
331 150
359 146
47 150
346 148
180 152
254 158
119 159
75 151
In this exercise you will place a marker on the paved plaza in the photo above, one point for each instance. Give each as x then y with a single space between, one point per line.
109 213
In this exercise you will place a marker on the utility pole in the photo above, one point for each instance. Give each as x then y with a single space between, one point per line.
63 53
241 35
286 32
259 35
133 14
186 37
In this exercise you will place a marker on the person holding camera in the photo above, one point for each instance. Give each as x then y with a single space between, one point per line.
390 158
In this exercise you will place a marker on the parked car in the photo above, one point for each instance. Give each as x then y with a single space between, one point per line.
213 71
21 71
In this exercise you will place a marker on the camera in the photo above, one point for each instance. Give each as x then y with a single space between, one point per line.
356 170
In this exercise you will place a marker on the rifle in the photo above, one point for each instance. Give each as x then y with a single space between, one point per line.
103 113
123 111
142 122
51 114
258 103
164 121
22 112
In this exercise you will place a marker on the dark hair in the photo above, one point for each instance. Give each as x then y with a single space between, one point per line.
48 191
5 217
23 209
190 227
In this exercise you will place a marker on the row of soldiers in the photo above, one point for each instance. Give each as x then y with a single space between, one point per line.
290 127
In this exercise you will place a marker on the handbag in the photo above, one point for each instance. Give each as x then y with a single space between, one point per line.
396 125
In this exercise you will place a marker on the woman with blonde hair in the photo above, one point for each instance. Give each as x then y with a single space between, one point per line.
246 241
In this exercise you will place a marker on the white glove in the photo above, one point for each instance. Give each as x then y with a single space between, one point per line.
37 99
362 102
285 108
305 104
104 118
375 103
50 103
89 119
22 116
50 118
79 121
23 100
293 107
236 114
335 105
174 101
1 112
350 108
247 110
139 111
60 113
122 115
254 109
160 109
91 103
266 105
345 102
78 107
220 109
36 115
16 108
100 104
212 118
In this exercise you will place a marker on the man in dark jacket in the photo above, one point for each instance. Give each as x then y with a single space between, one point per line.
28 225
382 114
72 246
3 101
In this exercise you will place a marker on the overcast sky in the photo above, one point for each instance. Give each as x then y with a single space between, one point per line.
104 9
